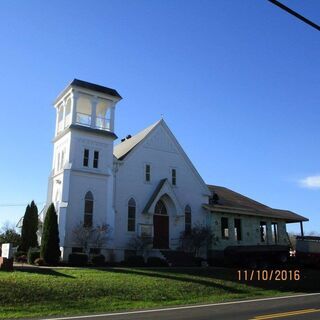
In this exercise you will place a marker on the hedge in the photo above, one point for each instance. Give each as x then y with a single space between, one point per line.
78 259
98 260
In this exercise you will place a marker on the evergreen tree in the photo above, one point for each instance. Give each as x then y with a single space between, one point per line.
29 238
33 241
25 231
50 249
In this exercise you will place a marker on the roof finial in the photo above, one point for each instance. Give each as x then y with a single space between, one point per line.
162 116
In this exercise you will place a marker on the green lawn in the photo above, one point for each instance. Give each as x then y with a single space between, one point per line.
47 292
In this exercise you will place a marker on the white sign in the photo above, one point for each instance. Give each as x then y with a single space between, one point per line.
6 250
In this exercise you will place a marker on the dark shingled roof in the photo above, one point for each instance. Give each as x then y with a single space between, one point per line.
232 202
95 87
122 149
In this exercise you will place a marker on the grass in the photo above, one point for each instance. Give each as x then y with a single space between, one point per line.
56 292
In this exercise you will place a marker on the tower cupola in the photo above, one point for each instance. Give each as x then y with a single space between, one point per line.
86 104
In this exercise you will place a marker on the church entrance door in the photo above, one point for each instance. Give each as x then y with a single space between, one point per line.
160 226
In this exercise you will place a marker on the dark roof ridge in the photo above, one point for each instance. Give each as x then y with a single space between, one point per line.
95 87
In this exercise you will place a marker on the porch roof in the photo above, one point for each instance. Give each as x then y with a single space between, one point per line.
232 202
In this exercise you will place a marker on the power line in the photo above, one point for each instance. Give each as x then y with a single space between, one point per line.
296 14
3 205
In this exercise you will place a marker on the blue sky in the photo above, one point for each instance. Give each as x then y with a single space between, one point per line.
236 81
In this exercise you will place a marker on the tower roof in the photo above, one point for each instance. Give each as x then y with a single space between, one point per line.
90 86
95 87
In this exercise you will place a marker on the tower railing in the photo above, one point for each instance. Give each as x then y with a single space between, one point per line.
102 123
85 119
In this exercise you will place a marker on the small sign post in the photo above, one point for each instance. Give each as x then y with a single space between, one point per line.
6 250
6 259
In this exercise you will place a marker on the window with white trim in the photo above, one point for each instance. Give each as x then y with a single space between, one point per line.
131 215
147 172
174 177
96 159
88 210
224 228
187 219
85 157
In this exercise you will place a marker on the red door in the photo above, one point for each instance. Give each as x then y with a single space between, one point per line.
161 231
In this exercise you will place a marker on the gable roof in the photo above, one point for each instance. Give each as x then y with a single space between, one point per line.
233 202
122 149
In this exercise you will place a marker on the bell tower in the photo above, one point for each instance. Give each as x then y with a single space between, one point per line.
81 181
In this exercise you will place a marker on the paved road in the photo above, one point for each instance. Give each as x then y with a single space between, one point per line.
305 307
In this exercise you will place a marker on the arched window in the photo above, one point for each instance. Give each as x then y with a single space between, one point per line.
131 215
88 209
187 219
60 117
68 113
83 111
160 208
103 114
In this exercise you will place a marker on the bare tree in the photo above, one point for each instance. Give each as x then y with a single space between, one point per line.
198 237
101 235
9 234
86 236
140 244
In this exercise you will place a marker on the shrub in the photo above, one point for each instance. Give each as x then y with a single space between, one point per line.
33 255
19 254
78 259
22 259
39 262
156 262
198 261
134 261
98 260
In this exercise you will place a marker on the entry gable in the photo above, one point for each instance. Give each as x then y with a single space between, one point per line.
162 189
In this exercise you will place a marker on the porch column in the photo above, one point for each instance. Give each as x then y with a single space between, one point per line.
57 120
94 102
112 114
74 98
232 234
301 229
269 232
64 114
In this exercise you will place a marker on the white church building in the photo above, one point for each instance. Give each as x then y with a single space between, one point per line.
143 186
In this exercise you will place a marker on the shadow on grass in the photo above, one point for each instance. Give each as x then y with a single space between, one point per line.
163 274
43 271
308 282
